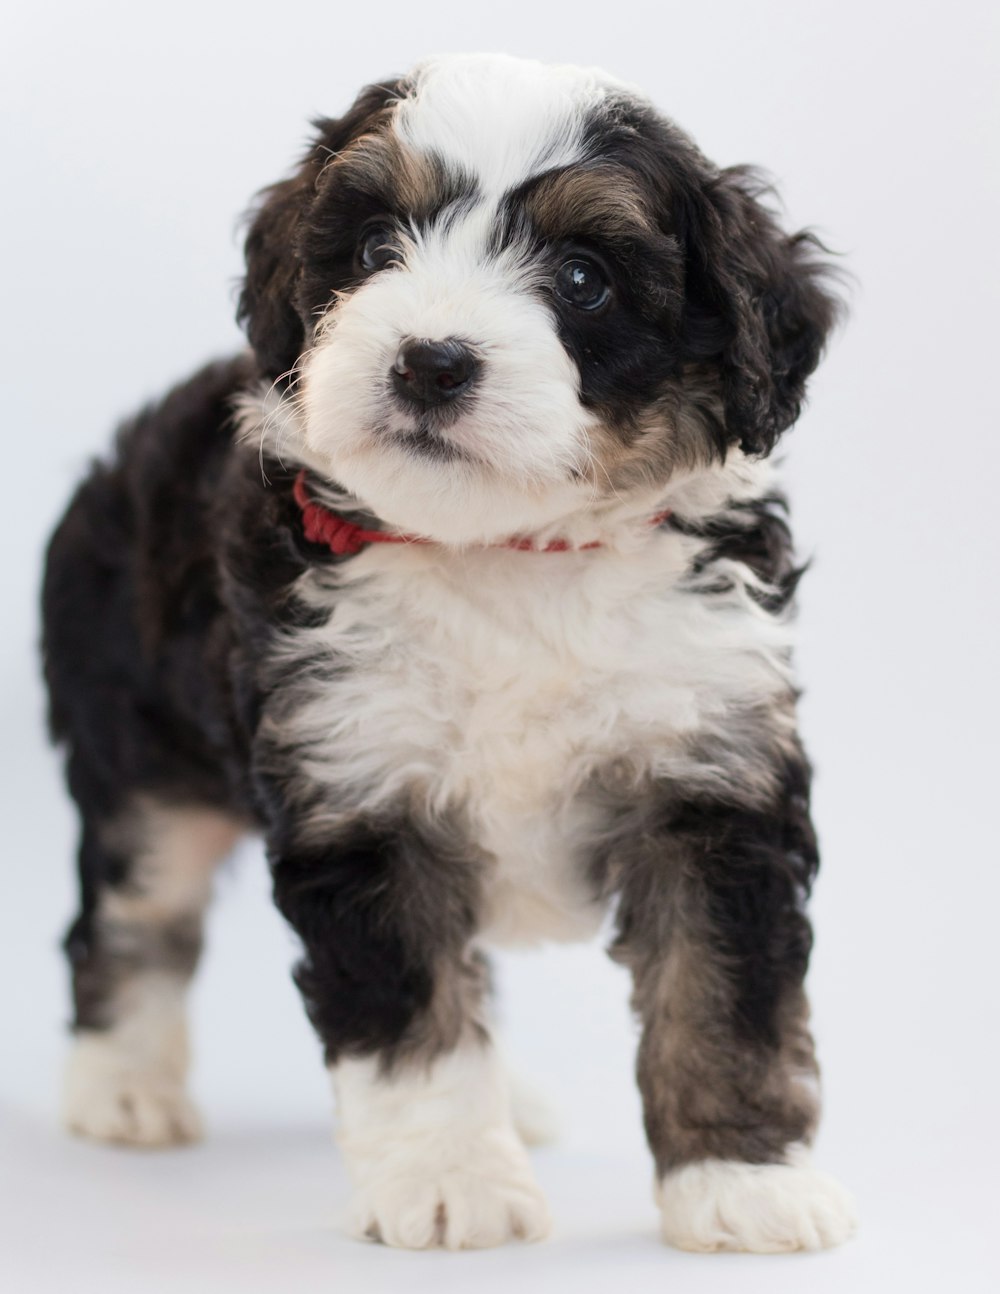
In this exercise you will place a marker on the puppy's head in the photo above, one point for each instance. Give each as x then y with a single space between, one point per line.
498 293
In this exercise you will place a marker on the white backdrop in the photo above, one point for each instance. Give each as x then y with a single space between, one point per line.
133 136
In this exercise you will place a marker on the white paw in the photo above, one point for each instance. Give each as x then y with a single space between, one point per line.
108 1100
489 1199
759 1208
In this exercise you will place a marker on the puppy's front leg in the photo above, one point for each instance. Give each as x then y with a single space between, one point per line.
712 924
391 981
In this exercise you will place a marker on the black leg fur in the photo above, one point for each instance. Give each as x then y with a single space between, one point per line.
386 913
711 923
108 949
145 878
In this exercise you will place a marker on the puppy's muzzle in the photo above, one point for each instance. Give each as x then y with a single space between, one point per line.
428 373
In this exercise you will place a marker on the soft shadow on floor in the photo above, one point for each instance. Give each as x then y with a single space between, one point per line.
256 1208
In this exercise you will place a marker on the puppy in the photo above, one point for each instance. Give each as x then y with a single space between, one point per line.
468 588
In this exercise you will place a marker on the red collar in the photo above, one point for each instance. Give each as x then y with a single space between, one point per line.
345 538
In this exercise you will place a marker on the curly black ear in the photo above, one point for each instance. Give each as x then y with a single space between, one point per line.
269 306
757 304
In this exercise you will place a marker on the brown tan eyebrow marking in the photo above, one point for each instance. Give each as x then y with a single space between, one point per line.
602 200
416 184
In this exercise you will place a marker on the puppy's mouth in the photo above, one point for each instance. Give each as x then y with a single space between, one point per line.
425 437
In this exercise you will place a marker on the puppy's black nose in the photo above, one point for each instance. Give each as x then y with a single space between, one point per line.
432 372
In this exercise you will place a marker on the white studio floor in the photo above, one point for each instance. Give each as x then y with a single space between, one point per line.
253 1210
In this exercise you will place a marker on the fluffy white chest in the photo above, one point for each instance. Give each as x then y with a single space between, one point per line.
490 687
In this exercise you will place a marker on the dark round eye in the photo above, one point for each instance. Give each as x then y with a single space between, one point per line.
378 247
582 284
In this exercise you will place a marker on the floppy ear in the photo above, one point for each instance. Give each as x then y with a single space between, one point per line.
757 305
269 306
267 302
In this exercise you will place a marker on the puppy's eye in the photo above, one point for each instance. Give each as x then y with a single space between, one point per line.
378 247
582 283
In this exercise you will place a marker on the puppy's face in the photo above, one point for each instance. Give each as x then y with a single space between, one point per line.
506 292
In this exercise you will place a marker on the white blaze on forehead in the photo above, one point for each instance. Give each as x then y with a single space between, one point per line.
502 119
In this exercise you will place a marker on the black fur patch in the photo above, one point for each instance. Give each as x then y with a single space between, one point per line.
755 533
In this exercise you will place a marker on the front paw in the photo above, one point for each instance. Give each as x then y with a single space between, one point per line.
758 1208
107 1097
482 1198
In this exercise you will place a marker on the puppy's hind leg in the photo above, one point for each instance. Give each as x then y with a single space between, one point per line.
146 878
535 1117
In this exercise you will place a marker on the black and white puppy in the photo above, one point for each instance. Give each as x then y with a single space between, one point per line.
469 589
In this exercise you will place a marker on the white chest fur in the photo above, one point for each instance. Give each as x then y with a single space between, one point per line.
493 684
